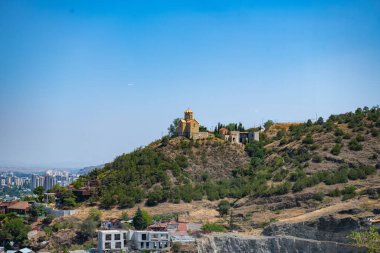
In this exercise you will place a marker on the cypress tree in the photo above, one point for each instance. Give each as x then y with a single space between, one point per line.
138 221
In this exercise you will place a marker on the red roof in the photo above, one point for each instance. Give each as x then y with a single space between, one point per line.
6 204
182 226
22 205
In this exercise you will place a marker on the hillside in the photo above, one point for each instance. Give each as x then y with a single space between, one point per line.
289 159
313 181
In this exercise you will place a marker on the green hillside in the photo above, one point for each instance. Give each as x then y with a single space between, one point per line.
341 149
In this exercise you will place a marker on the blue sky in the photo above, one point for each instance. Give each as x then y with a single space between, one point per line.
84 81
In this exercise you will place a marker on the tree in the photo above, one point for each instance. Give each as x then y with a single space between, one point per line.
320 121
68 199
88 228
15 230
36 211
172 128
49 218
369 239
202 128
223 207
268 124
39 191
141 220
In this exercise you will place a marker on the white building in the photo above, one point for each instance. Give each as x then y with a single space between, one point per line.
117 240
112 240
154 241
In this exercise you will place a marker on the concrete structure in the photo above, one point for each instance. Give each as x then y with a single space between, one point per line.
189 127
112 240
153 241
120 240
60 213
239 137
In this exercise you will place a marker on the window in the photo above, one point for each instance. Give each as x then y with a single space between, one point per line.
143 236
107 245
147 245
142 245
108 237
118 245
125 235
117 237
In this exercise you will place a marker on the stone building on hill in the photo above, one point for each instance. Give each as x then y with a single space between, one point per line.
239 137
189 127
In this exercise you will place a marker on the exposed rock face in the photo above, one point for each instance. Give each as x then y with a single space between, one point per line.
279 244
326 228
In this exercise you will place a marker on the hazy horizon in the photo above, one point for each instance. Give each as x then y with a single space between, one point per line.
82 82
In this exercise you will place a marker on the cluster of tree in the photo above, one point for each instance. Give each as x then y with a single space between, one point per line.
125 181
13 231
231 126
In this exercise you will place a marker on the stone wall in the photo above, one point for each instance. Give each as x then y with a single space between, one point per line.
286 244
200 135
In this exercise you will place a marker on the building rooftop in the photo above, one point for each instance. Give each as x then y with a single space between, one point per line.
19 205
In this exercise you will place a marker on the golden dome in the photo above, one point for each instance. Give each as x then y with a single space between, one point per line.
188 110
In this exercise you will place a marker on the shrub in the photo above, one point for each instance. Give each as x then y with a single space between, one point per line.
368 239
318 196
280 175
314 147
223 207
356 173
334 193
308 139
317 159
281 189
296 174
338 177
338 132
355 145
346 136
360 138
305 182
95 214
212 227
348 192
336 149
375 132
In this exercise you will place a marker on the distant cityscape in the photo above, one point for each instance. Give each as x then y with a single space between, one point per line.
15 185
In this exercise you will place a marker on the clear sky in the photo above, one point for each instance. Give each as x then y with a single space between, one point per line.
84 81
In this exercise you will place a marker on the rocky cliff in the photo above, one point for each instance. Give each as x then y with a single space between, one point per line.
327 228
228 243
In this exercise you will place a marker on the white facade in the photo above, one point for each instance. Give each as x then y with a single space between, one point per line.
117 240
153 241
112 241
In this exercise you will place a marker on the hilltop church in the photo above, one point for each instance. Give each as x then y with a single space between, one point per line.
189 127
